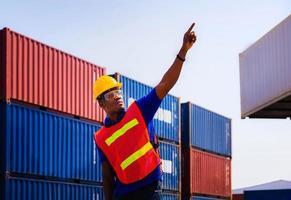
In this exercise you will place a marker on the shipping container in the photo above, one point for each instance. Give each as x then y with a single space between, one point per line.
170 156
267 195
41 143
38 74
189 197
15 188
204 198
237 197
167 118
169 196
205 129
265 73
205 173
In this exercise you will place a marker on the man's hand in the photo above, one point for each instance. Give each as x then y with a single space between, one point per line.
171 76
189 38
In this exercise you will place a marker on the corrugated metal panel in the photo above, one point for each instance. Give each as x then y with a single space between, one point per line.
2 64
33 189
170 155
189 197
268 195
41 143
205 173
169 196
167 118
265 74
204 198
237 197
205 129
44 76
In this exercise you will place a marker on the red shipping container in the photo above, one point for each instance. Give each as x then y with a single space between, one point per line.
238 197
205 173
38 74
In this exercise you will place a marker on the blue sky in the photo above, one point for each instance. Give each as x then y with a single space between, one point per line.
141 38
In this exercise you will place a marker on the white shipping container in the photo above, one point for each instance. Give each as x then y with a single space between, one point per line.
265 75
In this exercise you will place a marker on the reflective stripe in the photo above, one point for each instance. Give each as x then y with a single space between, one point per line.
121 131
136 155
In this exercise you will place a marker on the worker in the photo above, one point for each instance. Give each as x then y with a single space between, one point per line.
127 144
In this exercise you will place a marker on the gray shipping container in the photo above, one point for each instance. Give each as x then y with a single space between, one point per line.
265 75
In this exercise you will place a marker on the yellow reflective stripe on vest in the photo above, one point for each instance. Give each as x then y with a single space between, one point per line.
121 131
136 155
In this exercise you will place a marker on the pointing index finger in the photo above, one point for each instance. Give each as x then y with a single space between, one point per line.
191 27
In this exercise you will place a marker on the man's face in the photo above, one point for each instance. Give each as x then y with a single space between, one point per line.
112 101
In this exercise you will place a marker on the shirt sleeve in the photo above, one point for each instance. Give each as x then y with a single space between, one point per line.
149 105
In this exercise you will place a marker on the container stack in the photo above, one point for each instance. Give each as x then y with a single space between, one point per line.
167 127
48 118
206 154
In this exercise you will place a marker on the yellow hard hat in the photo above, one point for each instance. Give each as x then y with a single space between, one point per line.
104 83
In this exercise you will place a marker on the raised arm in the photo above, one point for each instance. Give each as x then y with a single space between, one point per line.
171 76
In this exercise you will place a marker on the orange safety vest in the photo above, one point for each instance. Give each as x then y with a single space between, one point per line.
127 147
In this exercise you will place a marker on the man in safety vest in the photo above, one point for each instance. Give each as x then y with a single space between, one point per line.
130 162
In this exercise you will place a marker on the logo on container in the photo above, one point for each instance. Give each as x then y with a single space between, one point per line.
167 166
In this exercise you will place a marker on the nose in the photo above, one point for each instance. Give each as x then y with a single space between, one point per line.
117 96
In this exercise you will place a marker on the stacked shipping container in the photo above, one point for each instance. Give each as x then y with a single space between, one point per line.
41 143
42 91
205 130
206 153
37 74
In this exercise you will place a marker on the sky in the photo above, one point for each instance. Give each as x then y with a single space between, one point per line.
140 39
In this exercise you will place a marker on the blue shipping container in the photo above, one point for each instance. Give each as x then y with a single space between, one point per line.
268 194
205 129
170 155
167 118
169 196
45 144
33 189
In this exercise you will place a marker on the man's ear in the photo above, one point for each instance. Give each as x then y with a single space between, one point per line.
101 103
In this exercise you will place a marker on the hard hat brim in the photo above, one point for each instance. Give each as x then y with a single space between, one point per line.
118 85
